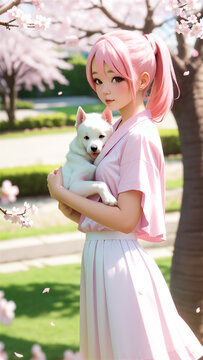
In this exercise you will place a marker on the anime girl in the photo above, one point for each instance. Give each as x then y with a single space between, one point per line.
126 309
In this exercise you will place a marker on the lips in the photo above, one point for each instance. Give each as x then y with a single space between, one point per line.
109 101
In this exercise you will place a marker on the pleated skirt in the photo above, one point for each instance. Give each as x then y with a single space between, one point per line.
126 309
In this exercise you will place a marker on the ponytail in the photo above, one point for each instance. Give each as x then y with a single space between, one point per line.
161 97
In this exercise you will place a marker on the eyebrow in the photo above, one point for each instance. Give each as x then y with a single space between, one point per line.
109 72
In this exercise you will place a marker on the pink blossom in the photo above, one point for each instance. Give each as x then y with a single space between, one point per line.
192 19
25 221
195 53
7 309
37 353
71 40
24 21
3 355
69 355
42 22
8 192
14 13
34 209
38 4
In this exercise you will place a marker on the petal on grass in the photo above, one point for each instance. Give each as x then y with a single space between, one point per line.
18 355
52 324
46 290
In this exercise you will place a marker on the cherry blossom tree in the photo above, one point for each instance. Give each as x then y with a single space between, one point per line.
27 62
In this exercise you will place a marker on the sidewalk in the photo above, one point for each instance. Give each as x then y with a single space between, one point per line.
19 254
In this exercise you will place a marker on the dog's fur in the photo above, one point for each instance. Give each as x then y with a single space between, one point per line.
93 130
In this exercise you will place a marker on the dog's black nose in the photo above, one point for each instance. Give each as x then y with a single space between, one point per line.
94 148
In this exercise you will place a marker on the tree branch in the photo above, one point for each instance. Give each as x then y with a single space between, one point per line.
182 47
9 6
119 24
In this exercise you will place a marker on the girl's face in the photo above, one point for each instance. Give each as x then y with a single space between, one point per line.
113 90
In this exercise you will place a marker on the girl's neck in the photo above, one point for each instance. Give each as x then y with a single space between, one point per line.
131 109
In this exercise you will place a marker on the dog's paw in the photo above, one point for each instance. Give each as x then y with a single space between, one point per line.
109 200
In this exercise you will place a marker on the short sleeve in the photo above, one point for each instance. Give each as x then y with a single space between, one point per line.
142 169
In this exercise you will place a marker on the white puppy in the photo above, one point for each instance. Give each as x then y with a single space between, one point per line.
93 130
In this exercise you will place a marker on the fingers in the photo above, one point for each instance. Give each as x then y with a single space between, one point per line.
64 208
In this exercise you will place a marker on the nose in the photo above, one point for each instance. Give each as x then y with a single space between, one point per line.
106 89
94 148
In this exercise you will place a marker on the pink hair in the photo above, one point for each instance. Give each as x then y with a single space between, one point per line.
129 54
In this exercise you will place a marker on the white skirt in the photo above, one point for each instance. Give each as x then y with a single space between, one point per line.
126 309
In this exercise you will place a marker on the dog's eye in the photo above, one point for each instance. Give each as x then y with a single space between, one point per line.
101 136
86 137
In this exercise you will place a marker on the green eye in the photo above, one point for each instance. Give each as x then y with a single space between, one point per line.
86 137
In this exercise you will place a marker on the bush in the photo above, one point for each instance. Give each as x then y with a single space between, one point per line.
40 121
21 104
170 141
31 180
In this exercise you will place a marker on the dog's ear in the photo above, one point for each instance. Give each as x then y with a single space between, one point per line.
81 116
107 115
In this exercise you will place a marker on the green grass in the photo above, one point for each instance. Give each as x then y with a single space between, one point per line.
72 110
35 310
173 184
22 232
173 206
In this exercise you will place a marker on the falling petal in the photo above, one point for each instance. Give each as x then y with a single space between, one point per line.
52 324
60 92
198 310
18 355
186 73
199 14
195 53
46 290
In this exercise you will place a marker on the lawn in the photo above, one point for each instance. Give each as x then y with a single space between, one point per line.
35 310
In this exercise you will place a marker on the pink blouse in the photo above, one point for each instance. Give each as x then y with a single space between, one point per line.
133 159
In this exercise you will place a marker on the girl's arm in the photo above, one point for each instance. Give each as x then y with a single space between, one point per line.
123 217
69 212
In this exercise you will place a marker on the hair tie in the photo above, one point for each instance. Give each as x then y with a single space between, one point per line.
150 38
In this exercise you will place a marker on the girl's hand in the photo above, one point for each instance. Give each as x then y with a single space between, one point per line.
54 182
69 212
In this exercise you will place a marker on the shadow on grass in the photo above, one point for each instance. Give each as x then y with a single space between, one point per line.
22 346
31 302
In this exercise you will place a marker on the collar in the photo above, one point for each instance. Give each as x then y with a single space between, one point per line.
121 131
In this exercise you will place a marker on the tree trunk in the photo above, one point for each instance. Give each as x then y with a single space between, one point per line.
9 99
187 265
